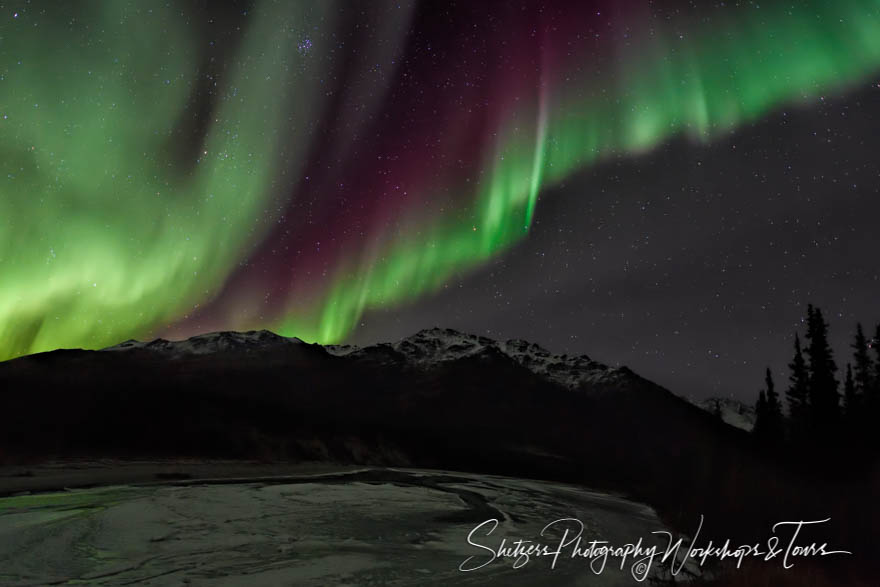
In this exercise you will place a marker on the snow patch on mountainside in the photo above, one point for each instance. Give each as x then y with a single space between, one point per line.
732 411
205 344
438 345
424 349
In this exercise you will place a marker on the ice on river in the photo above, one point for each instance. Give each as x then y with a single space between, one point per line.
376 527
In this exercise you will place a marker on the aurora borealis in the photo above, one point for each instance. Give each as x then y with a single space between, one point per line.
295 165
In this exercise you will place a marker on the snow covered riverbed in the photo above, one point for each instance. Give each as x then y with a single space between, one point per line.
376 527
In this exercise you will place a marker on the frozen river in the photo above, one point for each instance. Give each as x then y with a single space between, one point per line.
372 527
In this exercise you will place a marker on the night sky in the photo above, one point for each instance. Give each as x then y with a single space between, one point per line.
658 184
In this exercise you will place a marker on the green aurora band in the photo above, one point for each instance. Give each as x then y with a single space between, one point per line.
102 238
703 86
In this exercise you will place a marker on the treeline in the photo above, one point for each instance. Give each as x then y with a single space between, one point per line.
822 414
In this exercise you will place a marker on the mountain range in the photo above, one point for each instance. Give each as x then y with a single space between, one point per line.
425 349
434 346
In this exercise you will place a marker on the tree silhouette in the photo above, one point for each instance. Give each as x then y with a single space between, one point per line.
760 427
818 420
851 403
858 400
798 394
873 399
769 423
823 394
775 421
862 373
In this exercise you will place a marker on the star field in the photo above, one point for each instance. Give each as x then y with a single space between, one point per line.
658 184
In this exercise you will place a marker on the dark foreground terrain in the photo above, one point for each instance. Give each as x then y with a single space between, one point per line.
481 411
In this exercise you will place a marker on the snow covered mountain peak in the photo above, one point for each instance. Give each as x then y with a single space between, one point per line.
442 344
204 344
423 349
437 345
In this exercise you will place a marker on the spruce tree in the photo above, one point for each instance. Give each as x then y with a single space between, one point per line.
773 412
823 394
862 372
873 399
858 399
798 393
760 428
875 344
851 403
